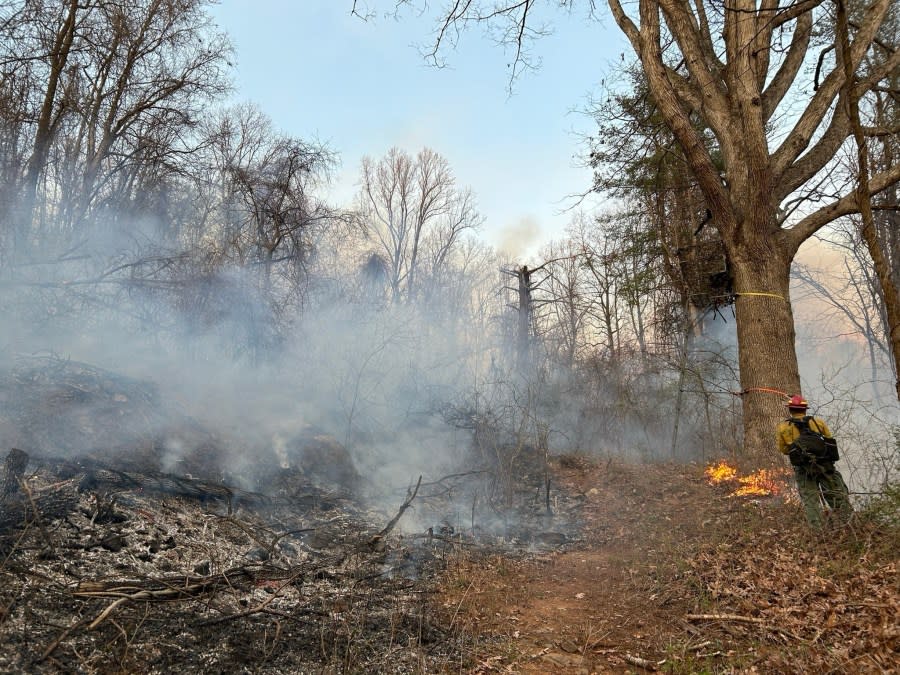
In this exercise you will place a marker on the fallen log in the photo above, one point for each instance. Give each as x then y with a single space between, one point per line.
164 483
53 501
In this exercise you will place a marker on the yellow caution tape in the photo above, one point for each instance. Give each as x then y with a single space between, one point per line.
765 295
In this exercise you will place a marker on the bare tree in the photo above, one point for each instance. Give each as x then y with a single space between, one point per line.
266 183
38 41
440 243
266 211
850 103
153 67
622 266
410 205
569 302
107 86
854 295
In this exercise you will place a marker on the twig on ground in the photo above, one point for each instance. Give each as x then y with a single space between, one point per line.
23 486
253 610
62 636
724 617
461 601
643 663
174 589
737 618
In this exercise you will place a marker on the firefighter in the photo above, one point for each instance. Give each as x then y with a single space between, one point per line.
813 468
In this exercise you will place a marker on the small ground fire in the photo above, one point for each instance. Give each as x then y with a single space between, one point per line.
761 483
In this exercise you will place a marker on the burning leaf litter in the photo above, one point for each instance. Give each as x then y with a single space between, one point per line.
721 472
760 483
681 594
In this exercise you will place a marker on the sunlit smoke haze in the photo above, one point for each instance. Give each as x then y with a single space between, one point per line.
846 377
374 376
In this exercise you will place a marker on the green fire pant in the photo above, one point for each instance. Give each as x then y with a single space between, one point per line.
827 482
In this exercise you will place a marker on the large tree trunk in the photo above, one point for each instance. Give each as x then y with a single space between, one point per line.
765 329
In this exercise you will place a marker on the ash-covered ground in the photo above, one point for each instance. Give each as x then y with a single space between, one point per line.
115 557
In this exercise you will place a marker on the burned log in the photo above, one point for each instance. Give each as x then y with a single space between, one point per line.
53 501
14 469
164 483
95 477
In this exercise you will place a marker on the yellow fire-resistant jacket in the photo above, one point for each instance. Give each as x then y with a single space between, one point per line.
788 432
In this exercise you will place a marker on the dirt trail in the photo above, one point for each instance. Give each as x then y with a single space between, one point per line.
613 601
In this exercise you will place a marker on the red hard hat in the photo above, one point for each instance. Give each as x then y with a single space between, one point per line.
797 401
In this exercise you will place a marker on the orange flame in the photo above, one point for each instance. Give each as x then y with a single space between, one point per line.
720 472
758 484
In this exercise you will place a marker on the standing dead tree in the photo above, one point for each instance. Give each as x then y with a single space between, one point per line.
526 304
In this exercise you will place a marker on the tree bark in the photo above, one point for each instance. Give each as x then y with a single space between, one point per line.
767 358
523 340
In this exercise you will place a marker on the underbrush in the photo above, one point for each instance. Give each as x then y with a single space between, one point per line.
884 509
787 599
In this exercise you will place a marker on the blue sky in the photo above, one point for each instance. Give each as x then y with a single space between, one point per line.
363 87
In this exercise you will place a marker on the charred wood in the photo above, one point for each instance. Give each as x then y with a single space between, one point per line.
54 501
93 475
181 587
14 469
376 542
